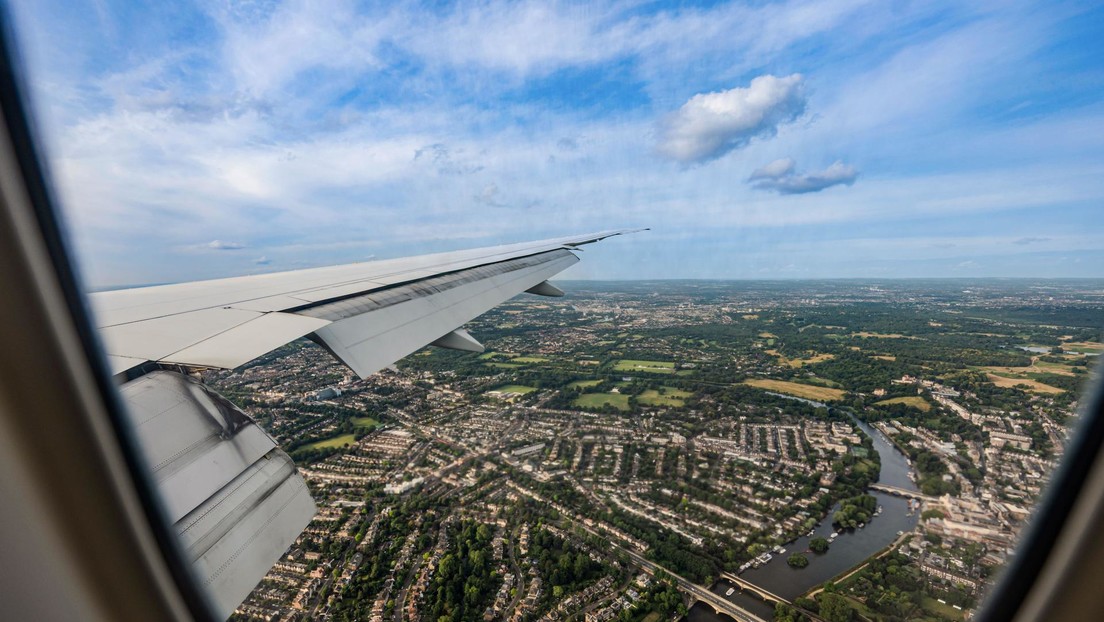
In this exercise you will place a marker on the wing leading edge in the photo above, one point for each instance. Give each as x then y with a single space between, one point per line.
235 499
397 306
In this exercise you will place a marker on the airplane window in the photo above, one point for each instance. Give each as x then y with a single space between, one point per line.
374 285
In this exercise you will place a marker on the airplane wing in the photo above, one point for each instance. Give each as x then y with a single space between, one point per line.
235 499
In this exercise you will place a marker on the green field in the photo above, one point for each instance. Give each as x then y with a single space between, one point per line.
503 365
942 609
597 400
515 389
584 384
669 397
364 422
337 441
529 359
914 400
653 367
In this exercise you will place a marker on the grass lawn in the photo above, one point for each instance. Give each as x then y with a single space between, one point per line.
913 400
529 359
654 367
806 391
363 422
823 382
1084 347
584 384
503 365
597 400
515 389
337 441
491 355
865 334
1032 385
1055 368
816 358
941 609
669 397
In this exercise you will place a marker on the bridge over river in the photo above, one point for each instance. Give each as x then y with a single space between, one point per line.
904 492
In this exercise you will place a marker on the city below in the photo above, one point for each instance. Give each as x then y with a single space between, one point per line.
682 450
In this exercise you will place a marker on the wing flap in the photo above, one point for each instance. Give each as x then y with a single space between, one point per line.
235 499
372 332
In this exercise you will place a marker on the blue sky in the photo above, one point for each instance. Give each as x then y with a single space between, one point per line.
757 140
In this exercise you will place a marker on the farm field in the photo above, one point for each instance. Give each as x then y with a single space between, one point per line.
653 367
806 391
597 400
913 400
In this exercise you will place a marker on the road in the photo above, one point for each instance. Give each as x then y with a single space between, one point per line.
698 592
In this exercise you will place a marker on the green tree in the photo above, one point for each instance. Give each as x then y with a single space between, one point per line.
819 545
834 608
797 560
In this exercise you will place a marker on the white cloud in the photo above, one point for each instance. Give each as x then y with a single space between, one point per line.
780 177
710 125
219 245
779 168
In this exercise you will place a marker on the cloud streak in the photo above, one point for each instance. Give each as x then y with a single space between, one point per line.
780 176
710 125
219 245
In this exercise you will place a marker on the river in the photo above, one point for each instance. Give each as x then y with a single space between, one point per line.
847 551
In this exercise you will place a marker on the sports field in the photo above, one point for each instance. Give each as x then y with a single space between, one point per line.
337 441
913 400
597 400
668 397
653 367
515 389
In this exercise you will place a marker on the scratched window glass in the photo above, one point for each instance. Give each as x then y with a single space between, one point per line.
572 311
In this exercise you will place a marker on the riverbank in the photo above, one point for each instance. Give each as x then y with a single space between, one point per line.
850 551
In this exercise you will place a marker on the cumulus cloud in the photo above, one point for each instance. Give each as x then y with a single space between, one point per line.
779 168
219 245
780 176
710 125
